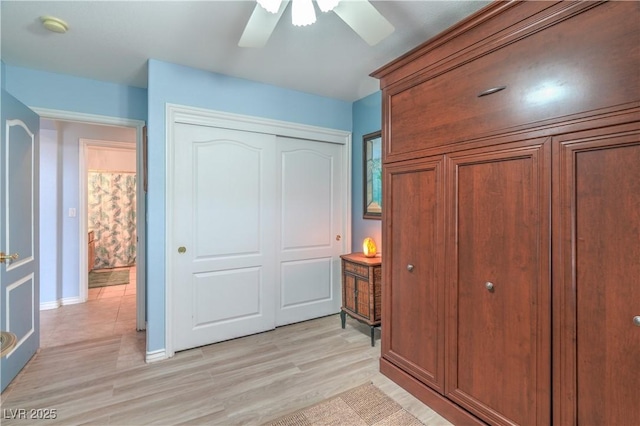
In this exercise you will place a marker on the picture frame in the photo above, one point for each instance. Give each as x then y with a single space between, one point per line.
372 176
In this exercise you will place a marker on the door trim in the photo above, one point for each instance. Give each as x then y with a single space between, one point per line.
83 200
141 258
181 114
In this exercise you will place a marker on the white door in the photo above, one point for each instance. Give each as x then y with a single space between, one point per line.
311 226
223 234
19 277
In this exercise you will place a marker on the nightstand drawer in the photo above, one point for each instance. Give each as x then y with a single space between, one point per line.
354 268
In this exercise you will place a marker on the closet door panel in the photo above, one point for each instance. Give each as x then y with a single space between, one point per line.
413 327
499 330
599 262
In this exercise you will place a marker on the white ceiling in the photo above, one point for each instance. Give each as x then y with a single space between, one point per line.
112 40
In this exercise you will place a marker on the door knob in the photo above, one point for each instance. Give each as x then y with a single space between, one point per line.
8 257
182 250
489 286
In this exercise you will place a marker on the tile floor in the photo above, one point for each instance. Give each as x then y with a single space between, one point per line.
108 311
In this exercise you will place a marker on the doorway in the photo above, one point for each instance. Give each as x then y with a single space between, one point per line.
73 168
110 214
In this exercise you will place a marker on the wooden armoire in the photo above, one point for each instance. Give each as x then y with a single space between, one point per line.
511 216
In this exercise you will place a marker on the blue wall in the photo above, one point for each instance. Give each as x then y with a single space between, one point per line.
177 84
59 168
2 75
170 83
51 217
367 118
42 89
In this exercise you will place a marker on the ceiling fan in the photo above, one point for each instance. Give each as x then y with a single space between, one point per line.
360 15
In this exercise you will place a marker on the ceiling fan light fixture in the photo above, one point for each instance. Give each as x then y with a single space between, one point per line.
327 5
302 13
271 6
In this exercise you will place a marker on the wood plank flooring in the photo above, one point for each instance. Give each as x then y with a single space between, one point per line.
246 381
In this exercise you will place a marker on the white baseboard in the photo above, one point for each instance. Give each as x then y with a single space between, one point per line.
72 300
155 356
45 306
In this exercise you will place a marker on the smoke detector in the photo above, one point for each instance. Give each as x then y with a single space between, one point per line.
53 24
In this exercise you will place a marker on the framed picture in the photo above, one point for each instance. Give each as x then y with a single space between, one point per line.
372 166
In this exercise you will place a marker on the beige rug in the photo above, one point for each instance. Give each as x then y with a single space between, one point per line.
364 405
107 277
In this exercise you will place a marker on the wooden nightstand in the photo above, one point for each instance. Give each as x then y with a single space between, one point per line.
361 289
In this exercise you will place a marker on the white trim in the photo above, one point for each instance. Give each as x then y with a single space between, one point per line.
46 306
199 116
347 200
55 114
155 356
22 124
71 300
168 211
204 117
140 195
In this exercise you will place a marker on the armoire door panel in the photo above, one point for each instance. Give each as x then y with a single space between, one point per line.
499 327
599 277
413 302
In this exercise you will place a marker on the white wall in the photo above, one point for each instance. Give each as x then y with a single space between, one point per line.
111 159
50 219
62 287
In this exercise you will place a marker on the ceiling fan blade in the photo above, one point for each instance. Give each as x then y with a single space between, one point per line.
365 20
260 26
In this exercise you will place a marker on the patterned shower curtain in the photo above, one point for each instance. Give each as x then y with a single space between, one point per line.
112 216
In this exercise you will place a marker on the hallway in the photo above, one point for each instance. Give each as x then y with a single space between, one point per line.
109 311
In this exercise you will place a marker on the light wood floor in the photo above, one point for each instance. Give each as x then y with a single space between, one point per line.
103 379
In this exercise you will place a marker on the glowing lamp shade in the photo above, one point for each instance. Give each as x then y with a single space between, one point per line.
369 247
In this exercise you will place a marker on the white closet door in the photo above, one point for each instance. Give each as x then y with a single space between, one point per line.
223 211
311 188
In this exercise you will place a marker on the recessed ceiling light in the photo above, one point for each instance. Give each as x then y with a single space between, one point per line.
54 24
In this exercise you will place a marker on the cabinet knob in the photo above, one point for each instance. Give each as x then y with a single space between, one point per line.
489 286
410 267
182 250
636 320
